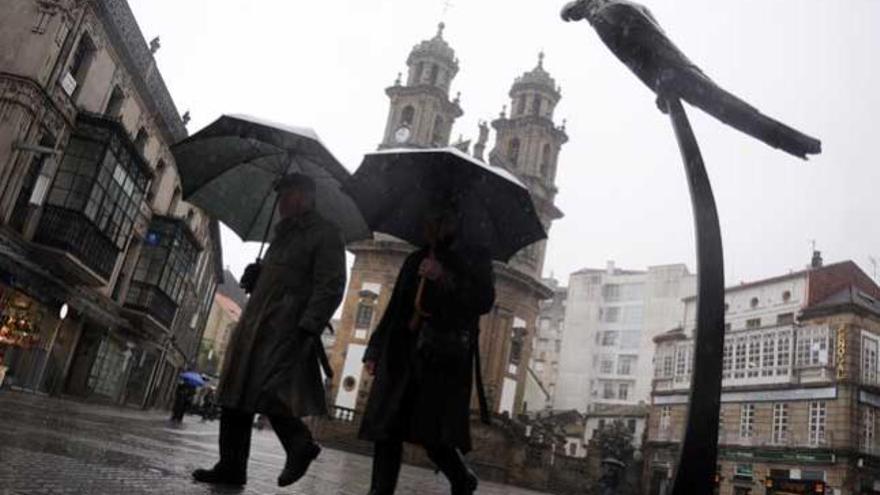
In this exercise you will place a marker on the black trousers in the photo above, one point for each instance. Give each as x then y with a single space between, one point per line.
387 457
235 437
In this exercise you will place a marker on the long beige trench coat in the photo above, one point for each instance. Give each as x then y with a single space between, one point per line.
271 363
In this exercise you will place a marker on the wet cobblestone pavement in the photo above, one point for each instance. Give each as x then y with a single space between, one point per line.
56 446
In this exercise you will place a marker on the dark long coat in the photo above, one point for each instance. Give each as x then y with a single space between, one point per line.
414 397
272 362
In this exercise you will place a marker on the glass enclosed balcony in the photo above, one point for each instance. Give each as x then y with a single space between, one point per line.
167 257
94 200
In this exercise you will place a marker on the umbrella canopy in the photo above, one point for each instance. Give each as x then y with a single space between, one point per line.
192 378
230 168
395 188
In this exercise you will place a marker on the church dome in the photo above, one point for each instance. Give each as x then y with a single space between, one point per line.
436 48
536 79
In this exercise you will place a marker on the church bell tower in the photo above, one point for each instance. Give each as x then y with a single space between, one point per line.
421 114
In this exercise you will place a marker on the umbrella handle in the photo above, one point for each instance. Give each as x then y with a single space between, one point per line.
420 313
268 225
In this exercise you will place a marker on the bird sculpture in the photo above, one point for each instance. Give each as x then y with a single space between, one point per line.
636 38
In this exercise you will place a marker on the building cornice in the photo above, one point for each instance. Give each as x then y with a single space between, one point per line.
122 28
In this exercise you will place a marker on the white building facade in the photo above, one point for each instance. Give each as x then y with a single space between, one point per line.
611 318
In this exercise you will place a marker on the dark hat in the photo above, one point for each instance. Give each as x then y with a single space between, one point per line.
298 181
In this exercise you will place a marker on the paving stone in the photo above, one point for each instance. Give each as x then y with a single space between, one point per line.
58 446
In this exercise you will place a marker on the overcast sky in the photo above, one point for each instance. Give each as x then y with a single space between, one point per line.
810 63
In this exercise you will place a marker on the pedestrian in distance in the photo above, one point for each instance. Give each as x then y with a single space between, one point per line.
183 396
422 353
272 363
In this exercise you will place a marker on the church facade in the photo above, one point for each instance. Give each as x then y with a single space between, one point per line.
527 143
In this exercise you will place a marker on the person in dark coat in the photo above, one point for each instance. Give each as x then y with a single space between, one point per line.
272 362
422 358
183 396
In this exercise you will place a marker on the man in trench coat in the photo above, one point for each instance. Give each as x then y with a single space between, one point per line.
272 362
423 367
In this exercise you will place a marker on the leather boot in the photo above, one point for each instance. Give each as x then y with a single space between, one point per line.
301 450
451 463
387 457
235 445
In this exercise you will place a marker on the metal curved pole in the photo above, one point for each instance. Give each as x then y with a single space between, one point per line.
699 446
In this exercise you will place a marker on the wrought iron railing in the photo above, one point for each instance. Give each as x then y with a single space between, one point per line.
73 233
149 299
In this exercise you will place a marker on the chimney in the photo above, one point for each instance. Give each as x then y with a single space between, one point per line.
609 267
816 262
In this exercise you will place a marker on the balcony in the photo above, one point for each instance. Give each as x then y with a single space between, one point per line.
93 202
152 302
167 258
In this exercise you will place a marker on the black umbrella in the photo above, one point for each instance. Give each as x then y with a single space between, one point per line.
395 188
230 168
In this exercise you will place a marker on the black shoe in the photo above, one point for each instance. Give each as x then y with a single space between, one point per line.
296 467
219 476
468 485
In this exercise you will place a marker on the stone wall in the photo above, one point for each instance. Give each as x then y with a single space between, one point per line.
501 453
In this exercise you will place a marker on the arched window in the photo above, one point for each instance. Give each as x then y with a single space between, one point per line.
175 200
545 160
114 104
406 117
521 105
434 73
420 69
140 140
81 62
437 133
536 105
513 151
157 180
